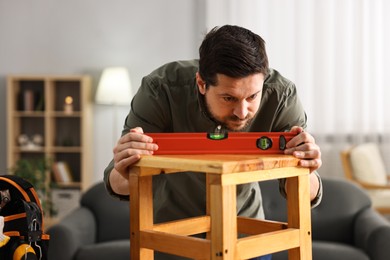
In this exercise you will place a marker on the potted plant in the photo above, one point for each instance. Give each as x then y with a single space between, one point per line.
37 172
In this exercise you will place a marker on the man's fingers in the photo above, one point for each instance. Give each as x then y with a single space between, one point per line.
138 146
311 164
134 136
303 146
299 139
122 165
137 130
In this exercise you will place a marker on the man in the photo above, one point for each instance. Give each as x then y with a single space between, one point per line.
231 87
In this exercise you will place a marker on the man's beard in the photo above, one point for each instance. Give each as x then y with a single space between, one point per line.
247 121
231 118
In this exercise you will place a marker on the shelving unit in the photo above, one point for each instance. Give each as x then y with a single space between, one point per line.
36 110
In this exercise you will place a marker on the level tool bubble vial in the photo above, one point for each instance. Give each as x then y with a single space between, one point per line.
264 143
217 136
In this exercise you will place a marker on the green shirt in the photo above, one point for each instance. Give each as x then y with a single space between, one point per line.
169 101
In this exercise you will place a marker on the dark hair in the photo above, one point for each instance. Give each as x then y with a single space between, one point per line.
233 51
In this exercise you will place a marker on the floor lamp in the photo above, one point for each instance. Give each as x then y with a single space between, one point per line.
114 89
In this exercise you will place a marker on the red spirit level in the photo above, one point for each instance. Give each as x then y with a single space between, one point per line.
221 143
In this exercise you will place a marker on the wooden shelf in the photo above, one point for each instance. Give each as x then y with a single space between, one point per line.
63 149
28 114
36 107
29 150
63 114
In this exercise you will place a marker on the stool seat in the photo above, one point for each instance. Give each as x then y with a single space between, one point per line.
221 223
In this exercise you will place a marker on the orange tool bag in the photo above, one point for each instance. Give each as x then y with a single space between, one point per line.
21 221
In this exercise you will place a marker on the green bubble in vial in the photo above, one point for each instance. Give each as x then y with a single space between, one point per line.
217 136
264 143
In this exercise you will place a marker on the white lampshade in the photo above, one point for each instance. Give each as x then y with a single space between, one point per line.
114 87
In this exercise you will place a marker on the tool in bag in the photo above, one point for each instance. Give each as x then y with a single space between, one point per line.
22 237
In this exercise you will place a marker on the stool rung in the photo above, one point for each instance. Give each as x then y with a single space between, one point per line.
269 243
252 226
185 227
191 247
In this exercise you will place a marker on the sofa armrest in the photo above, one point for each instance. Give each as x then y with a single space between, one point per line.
372 234
75 230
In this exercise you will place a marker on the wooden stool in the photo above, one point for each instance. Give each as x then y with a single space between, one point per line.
223 173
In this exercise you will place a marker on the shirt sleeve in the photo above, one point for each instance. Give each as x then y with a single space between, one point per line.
110 191
149 99
315 202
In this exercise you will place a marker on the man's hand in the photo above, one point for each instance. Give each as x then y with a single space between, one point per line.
129 149
303 146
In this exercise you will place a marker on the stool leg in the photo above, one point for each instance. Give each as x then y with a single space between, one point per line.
208 213
223 219
141 216
299 215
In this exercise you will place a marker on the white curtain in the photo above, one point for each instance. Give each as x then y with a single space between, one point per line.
337 53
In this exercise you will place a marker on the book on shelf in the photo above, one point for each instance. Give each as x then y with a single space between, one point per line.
28 100
62 172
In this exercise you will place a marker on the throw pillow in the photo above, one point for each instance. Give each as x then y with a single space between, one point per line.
368 165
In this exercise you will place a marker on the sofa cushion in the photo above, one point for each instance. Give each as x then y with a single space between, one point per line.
380 198
335 251
329 251
334 219
367 164
337 209
115 250
112 215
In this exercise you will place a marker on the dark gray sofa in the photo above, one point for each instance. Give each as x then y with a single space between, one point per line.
344 226
98 229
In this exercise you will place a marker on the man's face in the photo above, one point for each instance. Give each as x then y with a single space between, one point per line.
233 102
